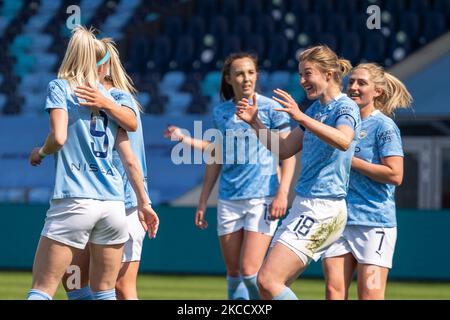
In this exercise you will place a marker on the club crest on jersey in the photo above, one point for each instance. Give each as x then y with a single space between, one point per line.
320 117
362 134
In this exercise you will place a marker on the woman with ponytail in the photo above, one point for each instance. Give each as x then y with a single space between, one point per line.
115 79
327 134
87 203
368 241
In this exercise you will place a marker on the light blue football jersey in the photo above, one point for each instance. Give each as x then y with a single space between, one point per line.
325 169
371 203
84 167
137 145
249 170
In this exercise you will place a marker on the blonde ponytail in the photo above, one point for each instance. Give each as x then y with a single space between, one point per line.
118 76
79 64
394 94
327 60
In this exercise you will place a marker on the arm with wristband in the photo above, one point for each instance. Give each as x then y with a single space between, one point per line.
55 139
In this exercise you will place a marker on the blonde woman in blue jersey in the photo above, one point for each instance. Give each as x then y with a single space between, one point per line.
120 86
251 200
327 136
368 242
87 203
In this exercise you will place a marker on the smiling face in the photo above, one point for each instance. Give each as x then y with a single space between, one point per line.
313 80
242 78
361 88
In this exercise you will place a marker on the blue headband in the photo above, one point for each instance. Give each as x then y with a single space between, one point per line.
104 59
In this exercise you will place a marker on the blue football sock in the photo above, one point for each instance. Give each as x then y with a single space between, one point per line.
35 294
286 294
84 293
252 286
105 295
236 289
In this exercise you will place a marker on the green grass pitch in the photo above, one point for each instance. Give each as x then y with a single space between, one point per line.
15 285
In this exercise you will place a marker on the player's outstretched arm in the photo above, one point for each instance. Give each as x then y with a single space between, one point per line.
124 116
340 137
147 216
283 146
176 134
55 139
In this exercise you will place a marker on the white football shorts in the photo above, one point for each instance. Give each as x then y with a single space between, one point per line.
312 225
75 222
369 245
250 214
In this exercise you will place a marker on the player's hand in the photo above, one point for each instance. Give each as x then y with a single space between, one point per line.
277 208
173 133
35 158
200 221
290 106
149 220
246 111
94 98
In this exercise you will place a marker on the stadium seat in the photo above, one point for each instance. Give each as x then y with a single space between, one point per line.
172 82
45 61
409 23
399 47
277 52
323 6
184 53
264 25
144 99
419 5
162 54
434 25
207 9
327 39
312 24
255 44
375 47
278 79
178 103
347 7
139 52
242 26
300 8
173 28
442 6
395 7
230 44
350 47
231 8
196 29
336 23
252 8
210 84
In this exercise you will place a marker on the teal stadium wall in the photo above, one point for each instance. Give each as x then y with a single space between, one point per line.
422 251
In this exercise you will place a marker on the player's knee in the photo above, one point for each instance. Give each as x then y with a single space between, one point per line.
248 268
336 291
125 290
264 281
